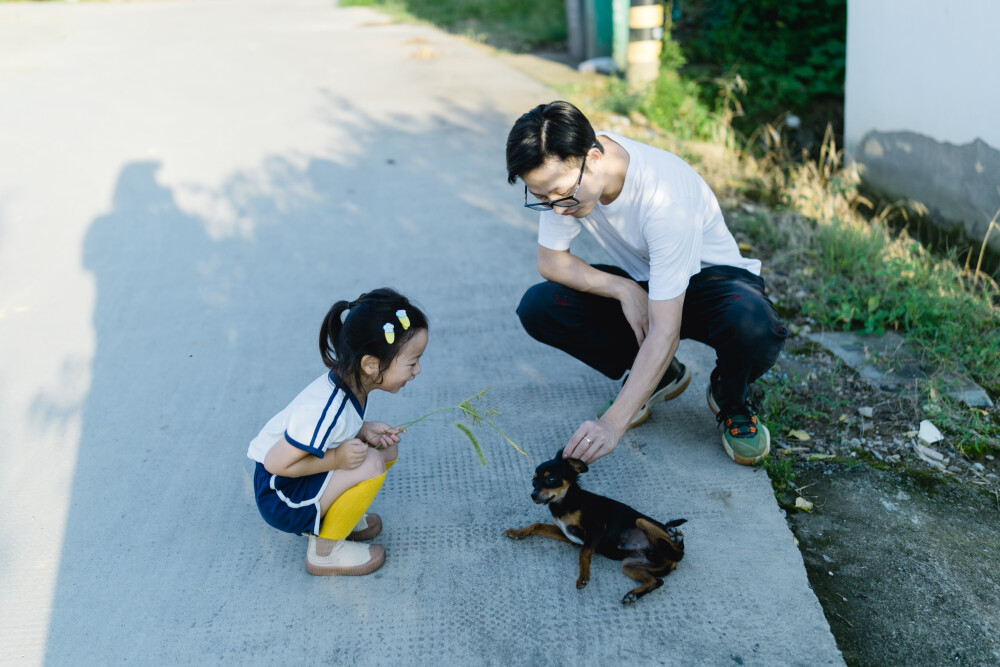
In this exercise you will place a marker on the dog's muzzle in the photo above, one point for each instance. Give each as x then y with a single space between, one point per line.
538 498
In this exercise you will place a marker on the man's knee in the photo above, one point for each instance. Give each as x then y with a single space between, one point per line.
755 325
535 307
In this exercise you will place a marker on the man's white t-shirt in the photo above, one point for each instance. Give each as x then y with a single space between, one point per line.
665 225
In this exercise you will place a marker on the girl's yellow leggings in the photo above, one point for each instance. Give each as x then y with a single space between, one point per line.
347 510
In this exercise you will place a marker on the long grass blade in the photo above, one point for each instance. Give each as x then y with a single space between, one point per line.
475 443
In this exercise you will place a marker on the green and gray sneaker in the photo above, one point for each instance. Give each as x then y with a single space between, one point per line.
673 383
745 439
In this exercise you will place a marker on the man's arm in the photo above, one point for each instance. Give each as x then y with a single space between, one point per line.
597 438
567 269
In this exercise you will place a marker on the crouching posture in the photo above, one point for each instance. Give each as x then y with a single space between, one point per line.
319 464
677 274
650 549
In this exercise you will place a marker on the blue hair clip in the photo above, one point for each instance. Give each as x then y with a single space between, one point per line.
403 319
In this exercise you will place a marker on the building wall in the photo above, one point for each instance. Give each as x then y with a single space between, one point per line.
922 105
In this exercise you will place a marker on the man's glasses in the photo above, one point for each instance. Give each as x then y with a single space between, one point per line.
565 202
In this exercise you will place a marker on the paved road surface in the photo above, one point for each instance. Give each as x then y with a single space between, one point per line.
185 188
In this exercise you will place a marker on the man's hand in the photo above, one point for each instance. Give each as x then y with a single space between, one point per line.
380 434
349 454
593 440
635 306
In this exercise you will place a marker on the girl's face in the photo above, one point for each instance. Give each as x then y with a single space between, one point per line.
406 365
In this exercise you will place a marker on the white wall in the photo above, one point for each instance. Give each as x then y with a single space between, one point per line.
926 66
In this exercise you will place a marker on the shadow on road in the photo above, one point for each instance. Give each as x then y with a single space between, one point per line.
208 306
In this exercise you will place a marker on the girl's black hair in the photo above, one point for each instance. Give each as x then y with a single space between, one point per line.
556 129
345 340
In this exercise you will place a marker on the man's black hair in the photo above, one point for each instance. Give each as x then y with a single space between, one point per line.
556 129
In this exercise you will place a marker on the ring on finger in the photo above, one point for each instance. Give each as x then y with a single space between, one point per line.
589 441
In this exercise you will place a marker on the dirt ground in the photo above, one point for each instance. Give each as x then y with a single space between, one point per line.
902 555
906 569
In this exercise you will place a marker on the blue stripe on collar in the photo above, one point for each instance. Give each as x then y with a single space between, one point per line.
340 384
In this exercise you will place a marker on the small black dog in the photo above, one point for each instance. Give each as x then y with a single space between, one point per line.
649 548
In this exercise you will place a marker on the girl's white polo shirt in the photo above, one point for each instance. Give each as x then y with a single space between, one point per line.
322 416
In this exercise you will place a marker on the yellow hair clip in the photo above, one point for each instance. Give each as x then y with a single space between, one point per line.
404 320
390 333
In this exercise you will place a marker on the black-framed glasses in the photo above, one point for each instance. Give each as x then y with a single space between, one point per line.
565 202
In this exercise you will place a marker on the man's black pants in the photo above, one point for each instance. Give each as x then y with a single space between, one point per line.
724 308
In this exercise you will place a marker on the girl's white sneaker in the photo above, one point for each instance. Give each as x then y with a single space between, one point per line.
343 558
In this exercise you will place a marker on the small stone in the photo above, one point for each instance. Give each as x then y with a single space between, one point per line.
827 558
929 433
990 457
929 452
979 466
866 412
991 475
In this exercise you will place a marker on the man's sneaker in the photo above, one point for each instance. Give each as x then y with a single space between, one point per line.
673 383
745 439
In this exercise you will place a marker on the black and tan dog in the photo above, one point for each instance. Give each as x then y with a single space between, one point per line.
650 549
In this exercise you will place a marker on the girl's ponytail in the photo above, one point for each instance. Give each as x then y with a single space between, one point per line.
329 333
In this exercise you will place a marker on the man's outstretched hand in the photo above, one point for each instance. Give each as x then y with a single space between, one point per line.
593 440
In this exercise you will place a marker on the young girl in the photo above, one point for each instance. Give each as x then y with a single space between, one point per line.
319 464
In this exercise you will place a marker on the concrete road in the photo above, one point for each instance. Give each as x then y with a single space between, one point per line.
185 188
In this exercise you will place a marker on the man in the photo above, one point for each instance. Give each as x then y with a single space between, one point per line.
679 275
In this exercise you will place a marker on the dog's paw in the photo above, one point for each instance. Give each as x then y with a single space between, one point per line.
513 534
581 583
630 598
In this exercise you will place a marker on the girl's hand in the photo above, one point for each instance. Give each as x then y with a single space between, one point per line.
349 454
380 434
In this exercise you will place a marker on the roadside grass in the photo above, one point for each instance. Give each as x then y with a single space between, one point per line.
781 471
515 25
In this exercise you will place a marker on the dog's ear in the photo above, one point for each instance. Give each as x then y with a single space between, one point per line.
578 466
559 454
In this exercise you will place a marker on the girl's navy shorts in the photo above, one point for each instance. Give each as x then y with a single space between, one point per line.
291 504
